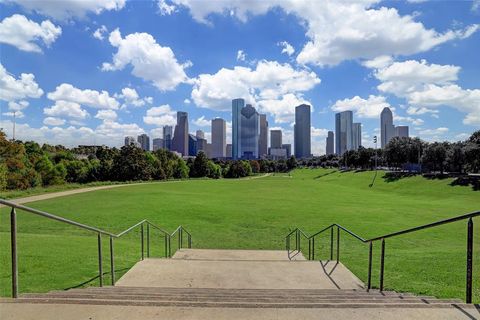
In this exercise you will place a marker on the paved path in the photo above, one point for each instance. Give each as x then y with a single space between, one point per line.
52 195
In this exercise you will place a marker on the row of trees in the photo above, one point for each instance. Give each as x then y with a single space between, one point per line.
410 154
27 164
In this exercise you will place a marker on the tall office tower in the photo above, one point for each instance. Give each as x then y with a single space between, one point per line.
287 147
387 129
263 139
180 136
329 149
228 152
276 139
129 140
357 135
167 137
249 133
144 141
219 138
302 134
237 106
343 132
200 134
201 145
192 145
401 131
158 144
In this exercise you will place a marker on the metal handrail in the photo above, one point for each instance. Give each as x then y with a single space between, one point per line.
311 245
180 231
99 232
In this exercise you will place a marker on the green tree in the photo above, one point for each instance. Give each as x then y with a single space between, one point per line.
131 165
199 167
292 163
472 153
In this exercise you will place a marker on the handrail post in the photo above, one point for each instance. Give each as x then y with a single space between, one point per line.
13 238
369 283
338 244
166 245
469 260
112 262
148 240
142 244
170 246
309 249
298 240
100 264
382 264
189 241
313 248
331 243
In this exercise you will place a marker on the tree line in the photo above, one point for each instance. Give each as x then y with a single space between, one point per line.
410 154
26 165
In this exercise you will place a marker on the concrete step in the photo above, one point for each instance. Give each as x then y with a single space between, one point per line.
154 303
245 299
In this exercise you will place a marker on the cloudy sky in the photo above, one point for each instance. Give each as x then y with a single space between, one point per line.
93 71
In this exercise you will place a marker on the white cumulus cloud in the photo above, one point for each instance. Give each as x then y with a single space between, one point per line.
51 121
160 116
201 122
87 97
12 89
150 61
26 34
286 48
67 9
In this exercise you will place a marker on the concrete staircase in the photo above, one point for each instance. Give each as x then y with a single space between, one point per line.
229 284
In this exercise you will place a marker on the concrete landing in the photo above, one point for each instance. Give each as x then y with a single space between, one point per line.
238 269
234 255
10 311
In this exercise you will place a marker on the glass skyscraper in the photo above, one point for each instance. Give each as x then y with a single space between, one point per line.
302 132
263 139
180 137
357 135
237 105
249 132
386 126
167 137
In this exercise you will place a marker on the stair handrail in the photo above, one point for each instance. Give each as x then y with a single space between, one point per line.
13 232
311 245
180 230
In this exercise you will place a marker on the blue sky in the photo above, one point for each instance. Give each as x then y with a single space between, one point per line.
91 72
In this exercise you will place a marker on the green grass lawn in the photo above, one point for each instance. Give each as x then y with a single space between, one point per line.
257 214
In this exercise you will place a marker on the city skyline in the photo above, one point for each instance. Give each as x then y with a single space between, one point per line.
135 77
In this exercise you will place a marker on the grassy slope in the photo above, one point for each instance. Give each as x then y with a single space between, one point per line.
257 214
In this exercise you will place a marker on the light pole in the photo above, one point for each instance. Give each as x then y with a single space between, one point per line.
14 112
376 156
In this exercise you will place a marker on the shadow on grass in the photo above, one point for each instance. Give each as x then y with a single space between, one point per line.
393 176
467 181
325 174
95 278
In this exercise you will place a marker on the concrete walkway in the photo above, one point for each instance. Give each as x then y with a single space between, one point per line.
239 269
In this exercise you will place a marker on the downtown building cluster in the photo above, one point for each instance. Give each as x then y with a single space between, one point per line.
249 136
348 134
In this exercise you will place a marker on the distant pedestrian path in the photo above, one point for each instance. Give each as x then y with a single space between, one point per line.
52 195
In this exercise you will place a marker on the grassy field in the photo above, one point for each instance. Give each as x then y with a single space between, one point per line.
256 214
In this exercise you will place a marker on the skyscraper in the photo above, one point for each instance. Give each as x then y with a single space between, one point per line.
180 136
263 138
387 129
158 144
219 138
249 133
130 140
357 135
192 145
302 134
276 139
144 141
401 131
288 148
237 105
343 132
200 134
329 148
167 137
228 152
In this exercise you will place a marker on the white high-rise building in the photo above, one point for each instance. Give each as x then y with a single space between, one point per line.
237 106
343 132
219 138
387 129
